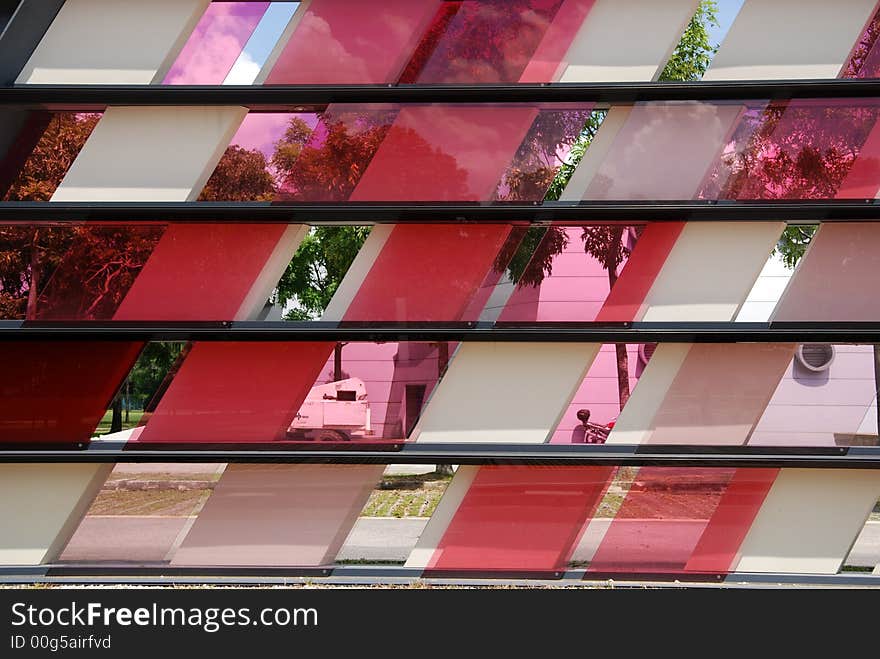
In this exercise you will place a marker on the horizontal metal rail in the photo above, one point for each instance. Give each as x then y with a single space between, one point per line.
306 98
624 332
367 213
402 452
164 574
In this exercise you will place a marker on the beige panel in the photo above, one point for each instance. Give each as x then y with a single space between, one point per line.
272 271
41 505
634 424
112 41
150 154
442 516
809 521
623 40
281 514
790 39
504 392
360 267
276 51
711 270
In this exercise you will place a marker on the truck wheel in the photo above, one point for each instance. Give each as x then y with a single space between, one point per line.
327 435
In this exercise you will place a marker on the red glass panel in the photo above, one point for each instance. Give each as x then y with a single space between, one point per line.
521 518
57 391
236 392
436 153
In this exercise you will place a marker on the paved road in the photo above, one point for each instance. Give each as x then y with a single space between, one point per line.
130 538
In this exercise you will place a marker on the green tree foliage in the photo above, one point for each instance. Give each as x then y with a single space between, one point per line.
694 52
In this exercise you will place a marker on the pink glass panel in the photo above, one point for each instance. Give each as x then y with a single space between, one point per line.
344 42
661 520
719 393
568 278
801 149
548 61
486 41
521 518
663 151
436 153
836 279
215 43
831 407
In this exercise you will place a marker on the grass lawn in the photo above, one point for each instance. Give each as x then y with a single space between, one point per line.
104 424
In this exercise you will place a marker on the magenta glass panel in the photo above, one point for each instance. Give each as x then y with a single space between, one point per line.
43 153
801 149
864 61
664 512
569 275
70 272
482 41
345 42
215 43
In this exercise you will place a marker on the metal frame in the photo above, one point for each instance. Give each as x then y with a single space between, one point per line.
623 332
303 98
401 452
515 213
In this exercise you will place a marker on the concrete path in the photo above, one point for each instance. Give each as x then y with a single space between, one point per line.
131 538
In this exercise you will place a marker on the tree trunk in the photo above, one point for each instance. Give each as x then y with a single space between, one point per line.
36 271
443 469
337 362
611 264
127 401
116 419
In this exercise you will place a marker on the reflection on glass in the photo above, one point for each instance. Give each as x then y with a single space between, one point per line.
216 43
864 61
46 147
70 272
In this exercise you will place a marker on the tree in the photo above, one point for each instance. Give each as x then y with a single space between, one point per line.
241 175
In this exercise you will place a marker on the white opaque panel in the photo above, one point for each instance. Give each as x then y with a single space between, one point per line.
788 39
120 42
150 154
623 40
710 271
41 505
504 392
809 520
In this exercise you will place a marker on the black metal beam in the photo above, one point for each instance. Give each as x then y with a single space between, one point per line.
550 332
358 452
363 213
23 33
302 98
